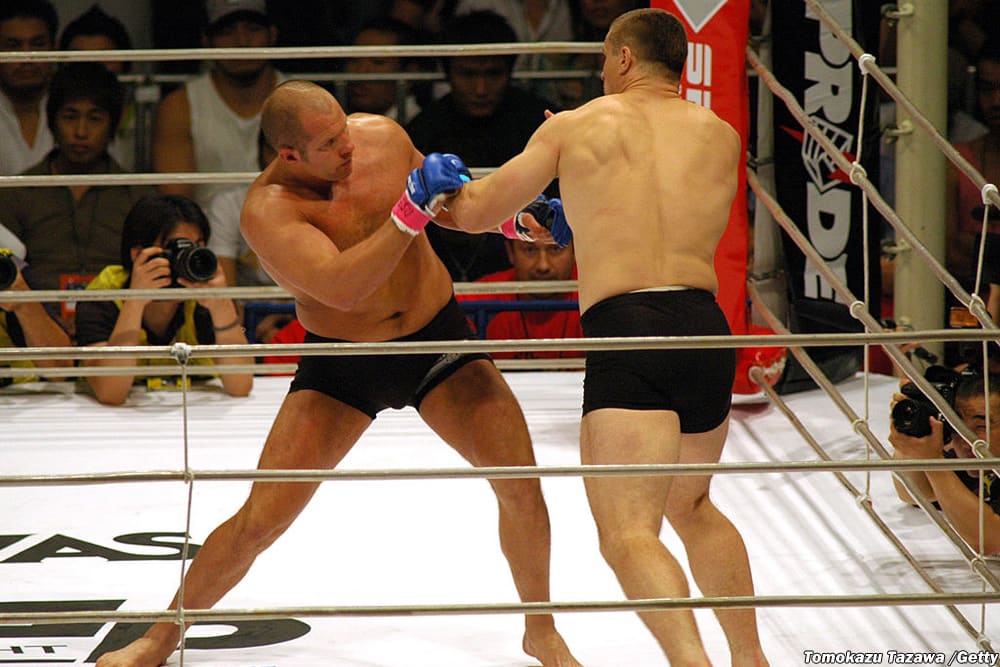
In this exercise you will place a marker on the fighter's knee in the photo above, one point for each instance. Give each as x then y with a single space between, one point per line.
688 511
619 547
519 496
254 534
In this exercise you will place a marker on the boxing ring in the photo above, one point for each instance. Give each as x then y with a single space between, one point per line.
396 559
368 543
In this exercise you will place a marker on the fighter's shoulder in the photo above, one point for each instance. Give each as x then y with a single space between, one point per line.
569 123
378 133
719 128
264 199
374 124
598 106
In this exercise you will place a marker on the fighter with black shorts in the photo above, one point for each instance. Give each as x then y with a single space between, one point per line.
372 383
695 383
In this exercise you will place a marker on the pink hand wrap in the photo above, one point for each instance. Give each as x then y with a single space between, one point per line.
409 217
508 229
513 229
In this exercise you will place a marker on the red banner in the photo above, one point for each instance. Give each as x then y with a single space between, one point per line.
715 77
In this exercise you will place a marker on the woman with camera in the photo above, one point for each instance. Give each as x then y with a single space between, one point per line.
163 246
956 492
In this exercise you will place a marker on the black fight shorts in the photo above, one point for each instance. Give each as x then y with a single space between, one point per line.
372 383
696 384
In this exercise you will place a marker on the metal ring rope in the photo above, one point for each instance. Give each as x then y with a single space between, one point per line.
303 53
796 342
866 63
189 476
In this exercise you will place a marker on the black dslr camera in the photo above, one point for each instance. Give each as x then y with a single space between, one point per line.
8 268
912 414
189 261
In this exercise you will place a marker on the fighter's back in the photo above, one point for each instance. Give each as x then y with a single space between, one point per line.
647 180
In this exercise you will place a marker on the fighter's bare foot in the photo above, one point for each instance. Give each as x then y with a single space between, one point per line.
550 649
143 652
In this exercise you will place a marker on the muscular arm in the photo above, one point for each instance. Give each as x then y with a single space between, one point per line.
173 150
485 203
303 258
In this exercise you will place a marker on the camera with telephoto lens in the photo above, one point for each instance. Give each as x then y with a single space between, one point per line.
912 414
189 261
8 268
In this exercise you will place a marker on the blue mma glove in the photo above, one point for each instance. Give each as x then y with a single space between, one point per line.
426 187
549 214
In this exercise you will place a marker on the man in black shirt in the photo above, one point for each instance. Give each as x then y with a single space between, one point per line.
485 119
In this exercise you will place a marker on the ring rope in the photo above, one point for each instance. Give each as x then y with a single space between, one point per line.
975 560
845 294
864 501
888 213
989 193
149 178
947 411
857 175
156 79
867 64
266 292
872 442
560 364
487 472
303 52
181 352
527 608
884 338
890 87
981 251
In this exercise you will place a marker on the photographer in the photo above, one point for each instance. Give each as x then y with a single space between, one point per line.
154 256
956 492
25 323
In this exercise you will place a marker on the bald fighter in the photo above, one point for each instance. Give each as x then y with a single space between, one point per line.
329 225
647 180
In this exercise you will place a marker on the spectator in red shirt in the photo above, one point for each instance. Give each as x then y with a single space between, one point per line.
291 333
534 261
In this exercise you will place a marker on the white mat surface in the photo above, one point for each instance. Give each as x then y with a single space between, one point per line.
434 542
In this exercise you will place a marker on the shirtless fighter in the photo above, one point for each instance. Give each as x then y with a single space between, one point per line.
318 217
647 180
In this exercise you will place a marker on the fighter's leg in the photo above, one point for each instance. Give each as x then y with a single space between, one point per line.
629 515
476 413
715 549
311 431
